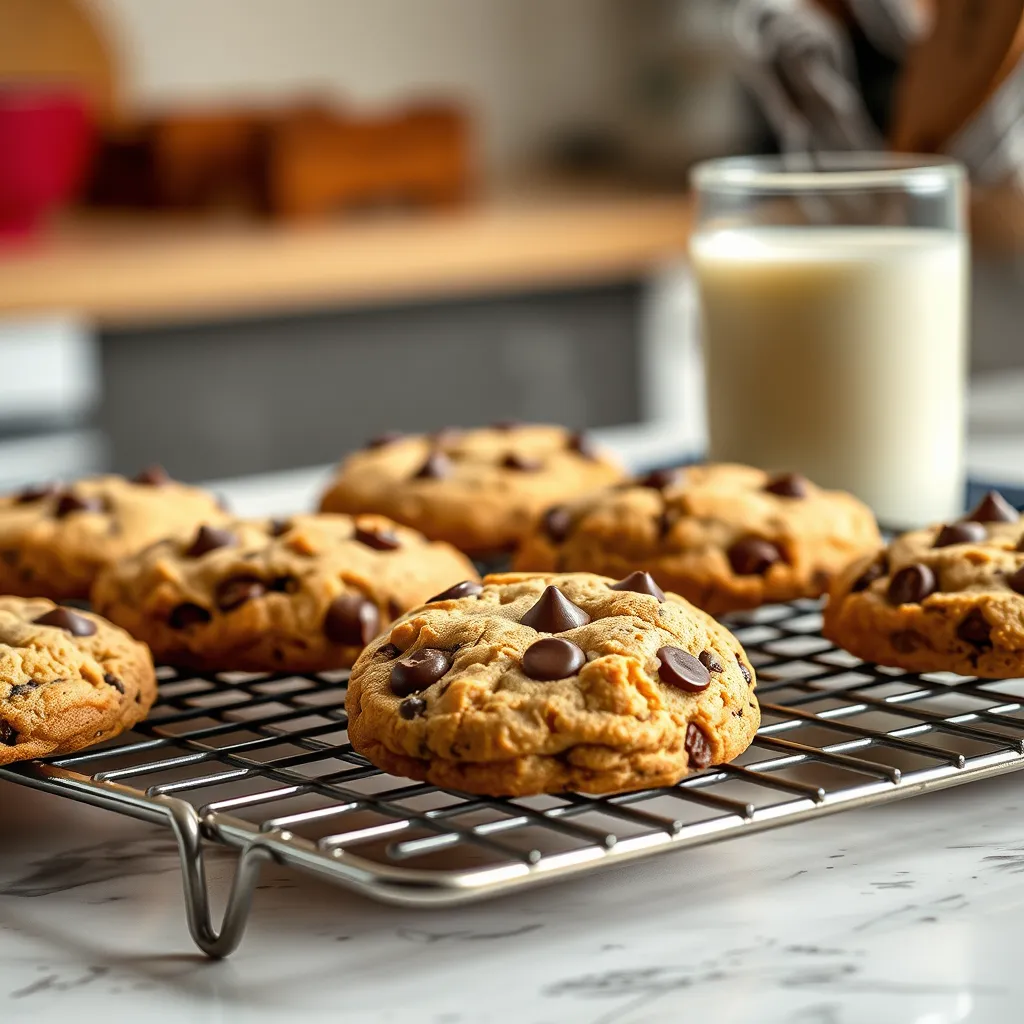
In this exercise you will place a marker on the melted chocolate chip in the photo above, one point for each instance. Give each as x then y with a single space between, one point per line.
682 670
284 585
412 707
710 662
70 503
554 613
417 670
188 614
789 485
8 734
753 556
65 618
911 585
382 440
36 493
279 527
975 629
582 444
557 522
235 591
906 641
111 680
552 658
967 532
467 588
521 463
639 583
207 539
388 651
698 746
379 540
153 476
875 571
993 508
1016 581
22 688
352 620
660 479
436 466
744 671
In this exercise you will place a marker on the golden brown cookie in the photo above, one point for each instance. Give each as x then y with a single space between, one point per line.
726 537
54 540
946 598
302 595
68 679
476 489
547 683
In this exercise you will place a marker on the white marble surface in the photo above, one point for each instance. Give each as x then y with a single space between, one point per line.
908 913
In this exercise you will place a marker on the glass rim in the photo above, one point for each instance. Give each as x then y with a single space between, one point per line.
797 172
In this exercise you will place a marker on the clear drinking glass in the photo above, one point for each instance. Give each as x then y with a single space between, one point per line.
834 292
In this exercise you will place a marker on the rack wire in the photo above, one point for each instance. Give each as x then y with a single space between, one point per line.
262 764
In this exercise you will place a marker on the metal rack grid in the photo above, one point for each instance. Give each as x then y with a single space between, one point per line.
262 764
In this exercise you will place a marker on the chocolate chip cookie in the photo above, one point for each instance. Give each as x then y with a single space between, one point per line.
476 489
546 683
302 595
68 679
726 537
946 598
54 540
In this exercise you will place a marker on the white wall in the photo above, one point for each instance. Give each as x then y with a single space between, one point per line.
524 66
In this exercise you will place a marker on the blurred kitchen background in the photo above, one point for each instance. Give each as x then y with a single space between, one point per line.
282 226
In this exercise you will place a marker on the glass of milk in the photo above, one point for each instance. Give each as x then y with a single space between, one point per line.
833 296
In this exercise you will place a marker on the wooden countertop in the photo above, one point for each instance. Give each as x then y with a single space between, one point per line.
152 271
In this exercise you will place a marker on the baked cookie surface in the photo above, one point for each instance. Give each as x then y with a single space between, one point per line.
68 679
476 489
304 594
725 537
946 598
55 539
548 683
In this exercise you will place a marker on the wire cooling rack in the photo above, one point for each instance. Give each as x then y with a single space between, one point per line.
262 764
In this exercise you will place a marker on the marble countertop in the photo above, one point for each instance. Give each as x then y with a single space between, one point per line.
905 913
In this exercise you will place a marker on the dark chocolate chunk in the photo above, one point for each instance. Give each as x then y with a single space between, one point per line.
659 479
554 613
710 662
352 620
70 502
36 493
379 540
789 485
65 618
753 556
153 476
8 734
412 707
975 629
521 463
437 466
1016 581
188 614
207 539
467 588
388 437
993 508
875 571
639 583
552 658
960 533
388 651
744 671
911 585
557 522
235 591
111 680
416 670
682 670
698 746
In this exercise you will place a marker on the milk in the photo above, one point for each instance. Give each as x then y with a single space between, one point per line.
840 353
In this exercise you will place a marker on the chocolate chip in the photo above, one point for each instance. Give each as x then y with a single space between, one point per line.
36 493
960 533
22 688
279 527
284 584
188 614
65 618
235 591
417 670
789 485
906 641
412 707
8 734
698 746
660 479
382 440
71 502
379 540
557 522
552 658
744 671
682 670
352 620
437 466
521 463
583 445
1016 581
467 588
153 476
911 585
710 662
209 538
753 556
975 629
388 651
111 680
639 583
554 613
875 571
993 508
